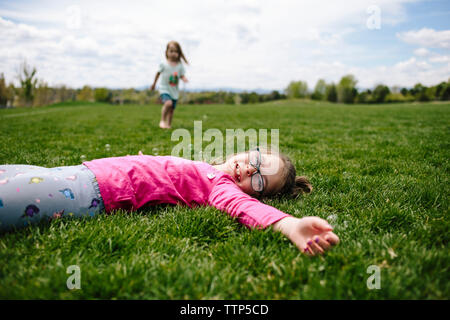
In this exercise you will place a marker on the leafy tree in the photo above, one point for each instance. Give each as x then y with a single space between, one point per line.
364 96
422 93
443 91
398 97
331 93
229 98
102 95
86 94
346 89
244 97
28 80
320 90
430 93
253 97
379 93
6 94
274 95
297 89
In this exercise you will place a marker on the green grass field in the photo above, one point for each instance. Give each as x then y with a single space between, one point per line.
380 175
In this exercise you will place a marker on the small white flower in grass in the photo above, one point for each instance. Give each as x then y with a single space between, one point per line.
392 253
107 147
332 218
344 225
83 157
155 151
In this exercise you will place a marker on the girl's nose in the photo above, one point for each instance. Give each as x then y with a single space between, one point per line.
250 169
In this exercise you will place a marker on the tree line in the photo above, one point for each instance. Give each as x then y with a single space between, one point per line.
345 91
34 92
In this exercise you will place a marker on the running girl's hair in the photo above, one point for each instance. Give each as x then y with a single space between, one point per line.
293 185
180 52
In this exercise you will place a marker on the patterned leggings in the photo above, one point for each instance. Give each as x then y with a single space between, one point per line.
29 194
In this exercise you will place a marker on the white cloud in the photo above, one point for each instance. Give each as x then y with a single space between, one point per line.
421 52
432 57
405 74
440 59
411 64
426 37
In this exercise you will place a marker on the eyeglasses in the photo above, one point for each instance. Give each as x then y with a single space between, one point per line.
257 181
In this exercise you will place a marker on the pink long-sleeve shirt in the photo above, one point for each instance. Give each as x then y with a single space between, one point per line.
132 182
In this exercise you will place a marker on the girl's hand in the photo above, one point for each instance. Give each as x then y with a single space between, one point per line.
184 79
311 235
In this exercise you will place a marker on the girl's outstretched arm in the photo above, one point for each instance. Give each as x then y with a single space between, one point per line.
154 82
311 235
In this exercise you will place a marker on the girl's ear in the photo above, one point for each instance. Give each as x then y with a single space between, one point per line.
302 185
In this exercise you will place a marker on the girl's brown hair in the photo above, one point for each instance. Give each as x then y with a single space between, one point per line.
180 52
293 185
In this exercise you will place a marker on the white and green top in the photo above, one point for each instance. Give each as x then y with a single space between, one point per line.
170 76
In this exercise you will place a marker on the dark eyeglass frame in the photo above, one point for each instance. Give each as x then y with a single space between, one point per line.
257 166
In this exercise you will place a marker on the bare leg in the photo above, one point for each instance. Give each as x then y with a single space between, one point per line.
164 114
170 116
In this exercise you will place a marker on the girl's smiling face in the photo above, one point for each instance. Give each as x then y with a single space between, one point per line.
242 169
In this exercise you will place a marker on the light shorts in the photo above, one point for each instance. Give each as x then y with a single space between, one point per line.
164 97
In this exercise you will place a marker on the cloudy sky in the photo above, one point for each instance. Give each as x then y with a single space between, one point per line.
242 44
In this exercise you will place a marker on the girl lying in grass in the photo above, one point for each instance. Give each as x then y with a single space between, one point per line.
30 193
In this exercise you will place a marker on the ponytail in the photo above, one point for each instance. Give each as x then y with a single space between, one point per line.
293 185
302 185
